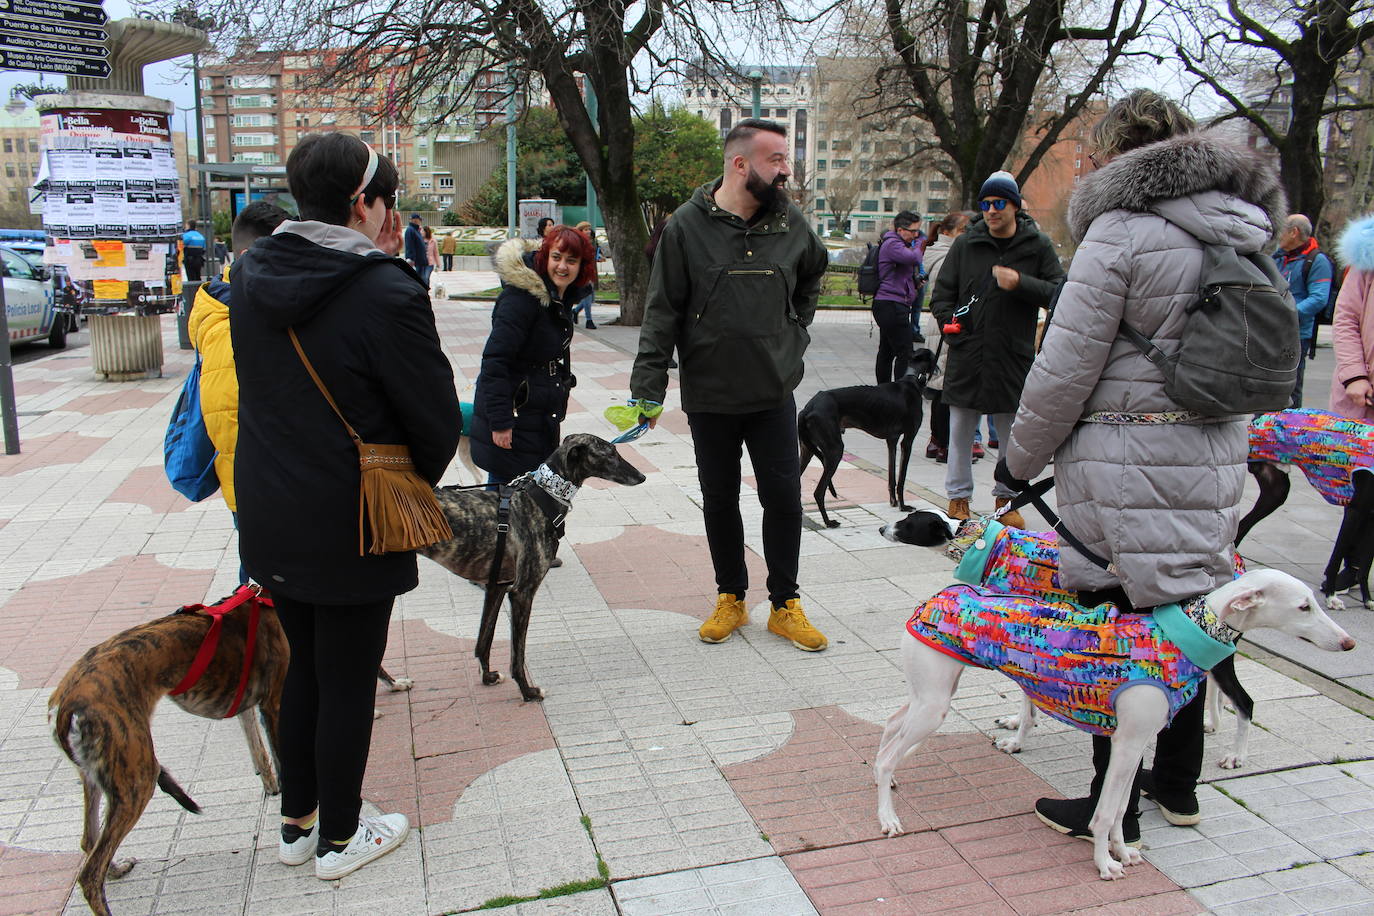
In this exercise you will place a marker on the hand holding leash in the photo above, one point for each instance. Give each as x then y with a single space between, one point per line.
634 418
1003 475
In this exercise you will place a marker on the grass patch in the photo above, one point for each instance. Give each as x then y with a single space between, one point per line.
562 890
602 868
1235 798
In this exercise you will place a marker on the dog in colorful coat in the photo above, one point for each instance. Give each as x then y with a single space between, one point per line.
1099 670
1336 455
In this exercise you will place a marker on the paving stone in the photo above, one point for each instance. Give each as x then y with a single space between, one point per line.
761 886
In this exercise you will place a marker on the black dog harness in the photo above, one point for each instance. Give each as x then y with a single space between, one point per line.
555 510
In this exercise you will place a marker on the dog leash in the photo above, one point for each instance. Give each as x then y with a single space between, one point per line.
216 612
1035 496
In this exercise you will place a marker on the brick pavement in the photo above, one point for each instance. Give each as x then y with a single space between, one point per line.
704 779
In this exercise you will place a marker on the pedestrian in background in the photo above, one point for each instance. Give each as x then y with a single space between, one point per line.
941 240
365 322
994 280
1149 486
448 247
1352 328
431 255
734 286
192 251
416 252
899 264
585 305
1309 272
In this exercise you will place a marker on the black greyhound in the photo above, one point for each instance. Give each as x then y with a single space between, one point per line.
891 411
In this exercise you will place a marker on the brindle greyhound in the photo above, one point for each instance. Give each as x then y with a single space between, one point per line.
530 544
101 715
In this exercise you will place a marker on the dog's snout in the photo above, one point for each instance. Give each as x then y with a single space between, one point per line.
1347 644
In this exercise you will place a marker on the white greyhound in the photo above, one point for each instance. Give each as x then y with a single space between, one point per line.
1262 598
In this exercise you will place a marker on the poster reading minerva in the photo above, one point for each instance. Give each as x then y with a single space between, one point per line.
110 174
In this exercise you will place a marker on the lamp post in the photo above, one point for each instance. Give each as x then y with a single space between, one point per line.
756 77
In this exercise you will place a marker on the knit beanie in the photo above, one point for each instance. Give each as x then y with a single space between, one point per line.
1001 184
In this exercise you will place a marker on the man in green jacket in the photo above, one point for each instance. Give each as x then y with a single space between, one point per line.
734 287
997 277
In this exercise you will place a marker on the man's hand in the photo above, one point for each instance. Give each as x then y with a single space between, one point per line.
1006 278
1360 392
1003 476
390 239
501 438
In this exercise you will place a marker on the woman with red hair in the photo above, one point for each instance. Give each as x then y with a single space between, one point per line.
522 390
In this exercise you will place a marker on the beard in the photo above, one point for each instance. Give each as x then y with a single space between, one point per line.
770 196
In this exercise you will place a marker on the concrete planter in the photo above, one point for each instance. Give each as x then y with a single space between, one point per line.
126 347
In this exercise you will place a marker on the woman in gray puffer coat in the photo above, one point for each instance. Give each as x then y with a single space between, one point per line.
1139 480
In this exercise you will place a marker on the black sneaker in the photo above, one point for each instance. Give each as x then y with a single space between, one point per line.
1071 816
1179 810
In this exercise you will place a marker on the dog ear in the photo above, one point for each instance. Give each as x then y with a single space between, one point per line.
1241 604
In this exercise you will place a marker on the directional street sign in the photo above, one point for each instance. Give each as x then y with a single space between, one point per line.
80 12
11 59
52 29
54 36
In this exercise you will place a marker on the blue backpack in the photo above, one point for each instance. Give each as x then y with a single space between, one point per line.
188 453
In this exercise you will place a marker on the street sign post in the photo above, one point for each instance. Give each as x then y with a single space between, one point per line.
54 36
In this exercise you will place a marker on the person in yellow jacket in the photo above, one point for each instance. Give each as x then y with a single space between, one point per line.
209 330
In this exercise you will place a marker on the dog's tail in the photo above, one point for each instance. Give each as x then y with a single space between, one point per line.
804 443
166 783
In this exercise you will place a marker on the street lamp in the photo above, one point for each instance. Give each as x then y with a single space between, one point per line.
756 77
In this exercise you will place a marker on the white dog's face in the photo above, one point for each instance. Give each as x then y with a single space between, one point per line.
1273 598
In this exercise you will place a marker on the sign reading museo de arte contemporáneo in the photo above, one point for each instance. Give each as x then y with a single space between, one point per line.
54 36
110 174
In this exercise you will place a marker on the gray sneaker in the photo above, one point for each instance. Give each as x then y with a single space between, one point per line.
376 837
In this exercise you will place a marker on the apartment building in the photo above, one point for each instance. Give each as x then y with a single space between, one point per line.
851 174
19 161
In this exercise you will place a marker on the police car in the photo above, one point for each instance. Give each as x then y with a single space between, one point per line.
29 300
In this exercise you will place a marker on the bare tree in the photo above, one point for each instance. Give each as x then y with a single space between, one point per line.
425 50
1276 65
976 75
842 189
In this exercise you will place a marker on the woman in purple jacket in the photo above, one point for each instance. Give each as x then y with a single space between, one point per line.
899 261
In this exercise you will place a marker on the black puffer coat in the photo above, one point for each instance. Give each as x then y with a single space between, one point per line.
367 326
989 358
526 366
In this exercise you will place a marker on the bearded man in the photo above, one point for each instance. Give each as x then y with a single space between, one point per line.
734 287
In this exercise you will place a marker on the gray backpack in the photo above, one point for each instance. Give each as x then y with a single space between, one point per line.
1239 350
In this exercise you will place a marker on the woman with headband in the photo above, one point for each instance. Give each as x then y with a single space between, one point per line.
364 321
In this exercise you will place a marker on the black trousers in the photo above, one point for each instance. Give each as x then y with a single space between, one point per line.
327 706
1178 749
771 437
895 339
194 261
939 419
448 261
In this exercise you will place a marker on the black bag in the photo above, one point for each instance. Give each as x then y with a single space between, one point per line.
1239 350
869 281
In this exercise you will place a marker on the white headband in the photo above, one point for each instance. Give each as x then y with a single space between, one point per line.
367 173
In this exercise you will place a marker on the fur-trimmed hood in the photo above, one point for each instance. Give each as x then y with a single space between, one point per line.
1219 190
1356 244
513 270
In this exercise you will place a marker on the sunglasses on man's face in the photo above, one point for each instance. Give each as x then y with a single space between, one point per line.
997 204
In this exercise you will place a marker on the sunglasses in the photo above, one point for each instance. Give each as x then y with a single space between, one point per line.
998 204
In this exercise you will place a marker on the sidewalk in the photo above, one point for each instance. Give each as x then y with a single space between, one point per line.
728 779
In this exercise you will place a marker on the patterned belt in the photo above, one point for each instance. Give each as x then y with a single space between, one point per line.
1152 419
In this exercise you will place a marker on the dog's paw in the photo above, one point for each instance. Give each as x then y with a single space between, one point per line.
532 693
1209 728
400 684
1232 762
891 825
1334 603
905 508
490 678
1369 605
121 868
1008 745
831 523
1127 855
1110 870
1012 722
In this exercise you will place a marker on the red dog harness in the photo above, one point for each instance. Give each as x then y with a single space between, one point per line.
256 598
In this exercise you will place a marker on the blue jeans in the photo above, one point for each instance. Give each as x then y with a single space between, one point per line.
585 306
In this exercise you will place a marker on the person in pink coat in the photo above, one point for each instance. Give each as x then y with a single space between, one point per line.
1352 328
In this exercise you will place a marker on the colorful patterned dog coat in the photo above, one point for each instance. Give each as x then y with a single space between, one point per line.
1015 616
1326 446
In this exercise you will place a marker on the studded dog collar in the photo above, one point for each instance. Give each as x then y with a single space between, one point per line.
554 485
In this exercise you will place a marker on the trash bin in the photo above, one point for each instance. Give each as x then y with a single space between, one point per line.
126 347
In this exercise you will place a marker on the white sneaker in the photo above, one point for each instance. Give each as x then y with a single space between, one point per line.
376 837
299 852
